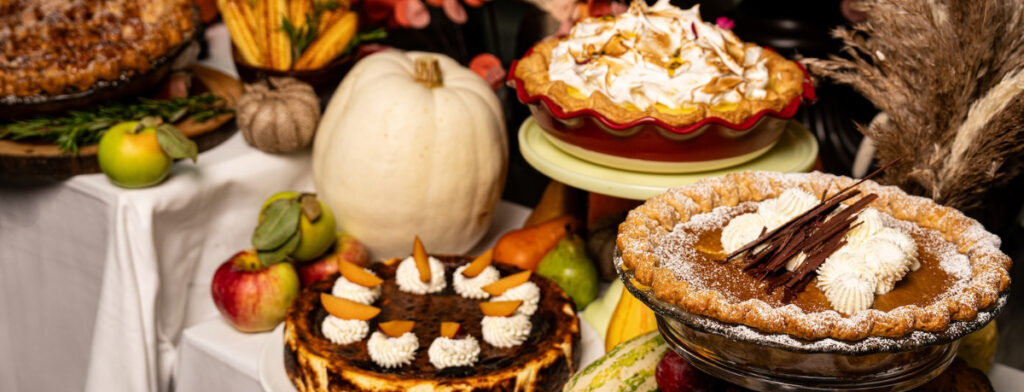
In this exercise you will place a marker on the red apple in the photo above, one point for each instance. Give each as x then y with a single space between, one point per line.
347 248
253 298
674 374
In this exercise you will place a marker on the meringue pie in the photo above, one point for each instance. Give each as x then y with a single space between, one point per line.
907 264
659 61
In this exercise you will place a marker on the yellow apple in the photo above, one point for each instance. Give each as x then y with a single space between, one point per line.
316 236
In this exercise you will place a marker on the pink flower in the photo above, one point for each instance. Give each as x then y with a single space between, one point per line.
724 23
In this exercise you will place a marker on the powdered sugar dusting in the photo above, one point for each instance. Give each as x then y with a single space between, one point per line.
678 249
958 246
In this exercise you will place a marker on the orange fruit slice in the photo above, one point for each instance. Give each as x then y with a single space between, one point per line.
347 310
499 308
507 282
449 329
479 264
419 253
357 275
396 328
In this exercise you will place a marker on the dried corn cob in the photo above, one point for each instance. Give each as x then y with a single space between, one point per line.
329 44
329 17
241 31
248 15
261 29
278 44
298 10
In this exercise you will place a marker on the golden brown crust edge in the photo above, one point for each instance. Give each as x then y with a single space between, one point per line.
785 84
645 225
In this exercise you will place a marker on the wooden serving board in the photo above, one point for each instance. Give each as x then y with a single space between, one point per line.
45 160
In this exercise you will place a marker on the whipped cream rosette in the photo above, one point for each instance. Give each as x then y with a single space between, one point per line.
391 352
345 288
341 331
527 292
450 352
472 288
408 277
509 331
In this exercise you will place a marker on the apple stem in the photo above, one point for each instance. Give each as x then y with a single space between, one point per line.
568 231
250 263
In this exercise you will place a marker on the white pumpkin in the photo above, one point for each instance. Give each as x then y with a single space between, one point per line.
411 144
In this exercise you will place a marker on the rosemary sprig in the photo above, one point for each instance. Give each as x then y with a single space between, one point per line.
79 128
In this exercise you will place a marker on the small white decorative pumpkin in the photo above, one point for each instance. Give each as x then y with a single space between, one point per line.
412 144
280 117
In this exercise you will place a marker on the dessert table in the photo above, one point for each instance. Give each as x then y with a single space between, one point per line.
107 289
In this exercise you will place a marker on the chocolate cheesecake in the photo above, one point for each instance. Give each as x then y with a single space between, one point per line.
543 362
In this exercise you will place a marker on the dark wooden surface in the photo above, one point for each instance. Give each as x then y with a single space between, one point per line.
29 160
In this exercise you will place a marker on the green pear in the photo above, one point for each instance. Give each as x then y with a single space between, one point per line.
568 266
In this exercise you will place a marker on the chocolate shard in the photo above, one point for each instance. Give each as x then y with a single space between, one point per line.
817 233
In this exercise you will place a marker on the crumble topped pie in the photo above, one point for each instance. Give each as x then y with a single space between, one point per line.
659 61
950 269
58 47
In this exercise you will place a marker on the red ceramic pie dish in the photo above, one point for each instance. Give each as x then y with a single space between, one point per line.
649 144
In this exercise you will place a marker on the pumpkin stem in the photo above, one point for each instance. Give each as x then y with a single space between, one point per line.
428 72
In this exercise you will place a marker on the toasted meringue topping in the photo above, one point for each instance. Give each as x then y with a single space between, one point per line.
528 292
392 352
341 331
659 54
472 287
353 292
445 352
408 277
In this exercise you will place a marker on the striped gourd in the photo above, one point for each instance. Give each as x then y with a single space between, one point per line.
629 367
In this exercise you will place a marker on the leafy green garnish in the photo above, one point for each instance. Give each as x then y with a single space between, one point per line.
79 128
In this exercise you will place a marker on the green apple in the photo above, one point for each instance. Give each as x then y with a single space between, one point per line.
316 236
130 155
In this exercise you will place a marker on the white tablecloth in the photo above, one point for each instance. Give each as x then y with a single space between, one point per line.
98 282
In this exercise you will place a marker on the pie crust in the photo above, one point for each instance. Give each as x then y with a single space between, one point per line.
647 226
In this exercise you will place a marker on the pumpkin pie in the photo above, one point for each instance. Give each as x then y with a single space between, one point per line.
896 264
441 329
659 61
